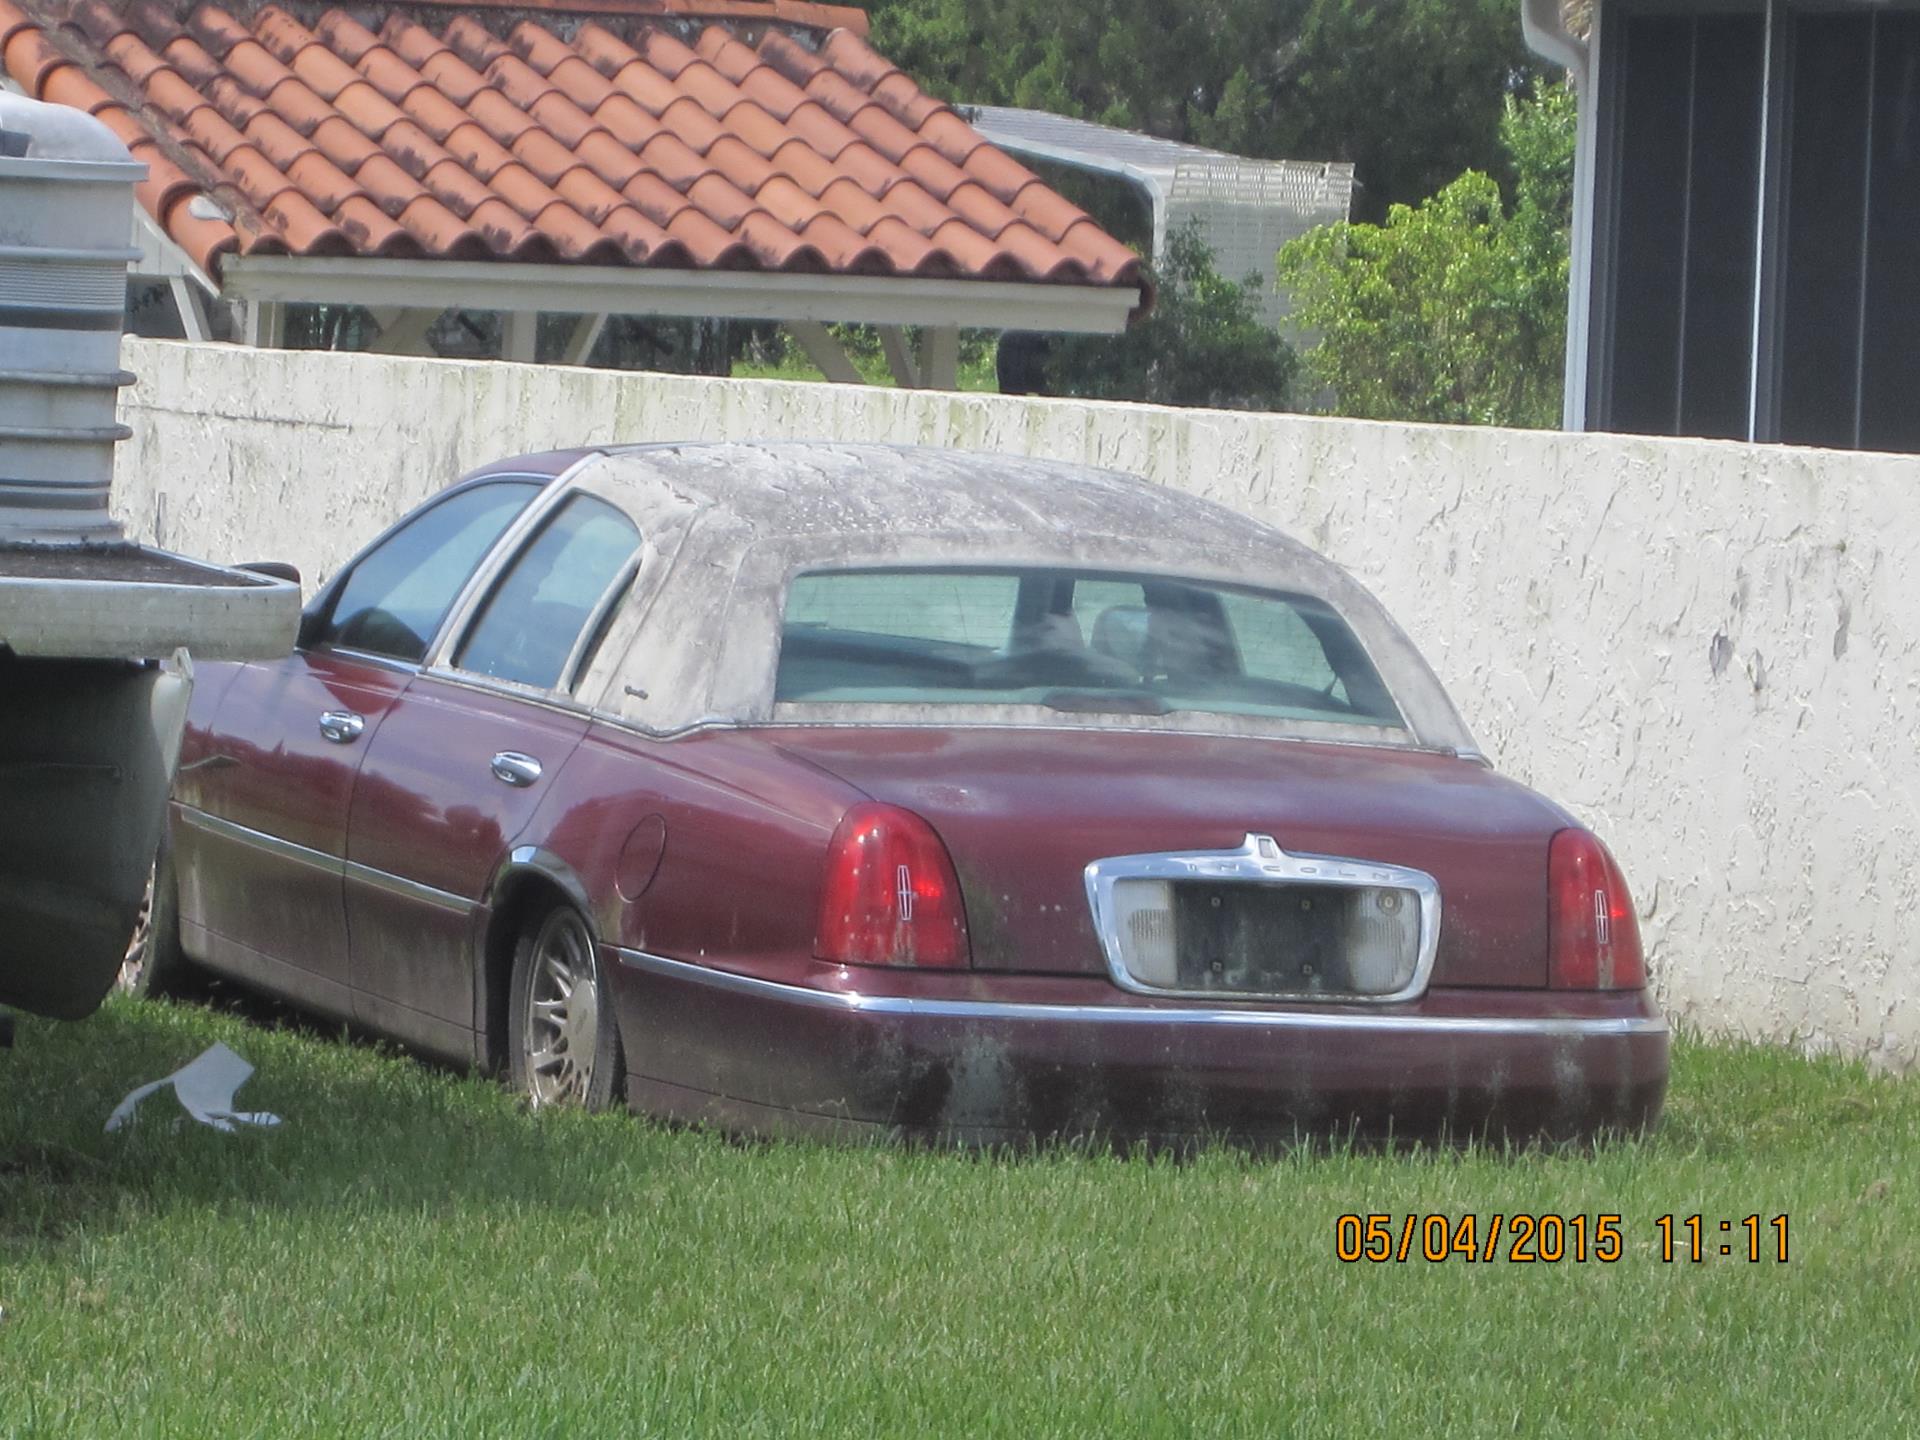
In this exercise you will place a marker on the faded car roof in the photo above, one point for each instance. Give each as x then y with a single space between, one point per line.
811 487
727 525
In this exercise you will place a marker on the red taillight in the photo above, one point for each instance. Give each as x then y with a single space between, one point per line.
891 896
1595 936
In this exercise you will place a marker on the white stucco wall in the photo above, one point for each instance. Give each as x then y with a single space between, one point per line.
1709 651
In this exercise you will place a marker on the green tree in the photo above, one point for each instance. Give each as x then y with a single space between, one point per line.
1408 90
1203 343
1454 310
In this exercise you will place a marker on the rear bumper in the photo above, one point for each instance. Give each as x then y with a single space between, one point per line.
1006 1060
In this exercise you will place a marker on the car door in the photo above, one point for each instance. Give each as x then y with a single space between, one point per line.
461 763
260 847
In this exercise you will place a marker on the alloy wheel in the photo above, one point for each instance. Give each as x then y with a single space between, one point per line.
561 1036
133 965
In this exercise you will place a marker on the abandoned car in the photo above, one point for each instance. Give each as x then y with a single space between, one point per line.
871 790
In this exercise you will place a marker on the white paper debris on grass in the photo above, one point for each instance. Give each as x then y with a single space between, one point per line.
205 1086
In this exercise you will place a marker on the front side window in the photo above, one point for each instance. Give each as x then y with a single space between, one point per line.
1073 641
549 594
396 595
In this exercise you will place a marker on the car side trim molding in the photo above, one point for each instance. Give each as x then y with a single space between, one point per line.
407 889
321 860
260 840
1547 1027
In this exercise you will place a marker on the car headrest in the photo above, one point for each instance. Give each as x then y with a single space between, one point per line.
1123 631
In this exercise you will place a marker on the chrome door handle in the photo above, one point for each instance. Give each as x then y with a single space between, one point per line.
342 727
510 767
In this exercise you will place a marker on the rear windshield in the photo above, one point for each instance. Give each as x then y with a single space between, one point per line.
1072 640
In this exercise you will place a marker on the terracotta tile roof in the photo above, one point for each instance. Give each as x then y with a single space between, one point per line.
714 134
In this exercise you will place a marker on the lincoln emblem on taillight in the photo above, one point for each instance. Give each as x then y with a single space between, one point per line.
1602 921
903 887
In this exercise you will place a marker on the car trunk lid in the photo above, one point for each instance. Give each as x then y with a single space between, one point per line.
1024 812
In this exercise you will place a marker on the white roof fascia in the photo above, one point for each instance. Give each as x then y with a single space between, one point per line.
732 294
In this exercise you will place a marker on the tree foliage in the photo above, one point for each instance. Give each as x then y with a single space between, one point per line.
1455 310
1203 343
1408 90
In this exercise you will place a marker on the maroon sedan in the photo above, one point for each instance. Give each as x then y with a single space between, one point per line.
856 789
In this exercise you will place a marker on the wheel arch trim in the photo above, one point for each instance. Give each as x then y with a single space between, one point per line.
493 951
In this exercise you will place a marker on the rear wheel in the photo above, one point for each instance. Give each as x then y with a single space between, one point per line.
563 1048
155 964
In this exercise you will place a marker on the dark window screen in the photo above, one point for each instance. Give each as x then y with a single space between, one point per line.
1889 412
1688 203
1826 204
1851 300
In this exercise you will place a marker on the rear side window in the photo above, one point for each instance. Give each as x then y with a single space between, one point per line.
397 594
548 596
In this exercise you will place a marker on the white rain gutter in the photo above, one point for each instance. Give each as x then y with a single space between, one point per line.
740 295
1544 24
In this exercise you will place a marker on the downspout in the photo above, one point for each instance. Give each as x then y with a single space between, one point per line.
1544 24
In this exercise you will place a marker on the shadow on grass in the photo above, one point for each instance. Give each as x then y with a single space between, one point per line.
368 1128
363 1126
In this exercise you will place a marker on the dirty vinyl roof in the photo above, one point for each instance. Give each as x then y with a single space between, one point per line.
726 135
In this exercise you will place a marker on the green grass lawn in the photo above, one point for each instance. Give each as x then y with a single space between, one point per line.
412 1254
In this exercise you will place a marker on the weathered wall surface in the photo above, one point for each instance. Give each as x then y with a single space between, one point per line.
1709 651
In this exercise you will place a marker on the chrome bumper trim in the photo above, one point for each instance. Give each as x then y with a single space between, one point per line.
1184 1016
